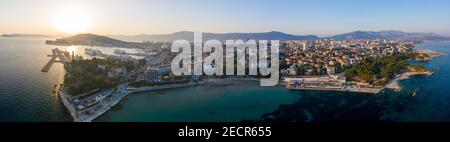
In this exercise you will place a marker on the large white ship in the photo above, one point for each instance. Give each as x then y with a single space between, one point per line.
92 52
118 51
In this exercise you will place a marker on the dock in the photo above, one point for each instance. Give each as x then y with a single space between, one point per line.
49 64
56 54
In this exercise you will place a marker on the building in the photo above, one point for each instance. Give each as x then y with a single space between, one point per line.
305 46
164 70
101 67
155 74
330 82
152 75
291 71
331 70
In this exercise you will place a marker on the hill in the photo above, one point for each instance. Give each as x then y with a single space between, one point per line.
93 40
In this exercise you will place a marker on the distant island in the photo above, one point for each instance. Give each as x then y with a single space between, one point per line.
24 35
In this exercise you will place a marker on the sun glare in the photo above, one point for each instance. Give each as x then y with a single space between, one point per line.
72 50
72 20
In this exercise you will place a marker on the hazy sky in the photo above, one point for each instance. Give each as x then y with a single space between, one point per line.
321 17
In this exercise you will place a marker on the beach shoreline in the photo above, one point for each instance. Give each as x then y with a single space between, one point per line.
394 84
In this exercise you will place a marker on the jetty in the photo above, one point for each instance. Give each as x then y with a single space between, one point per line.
49 64
56 54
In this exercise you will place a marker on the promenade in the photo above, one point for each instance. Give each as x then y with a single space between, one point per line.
91 113
393 84
343 89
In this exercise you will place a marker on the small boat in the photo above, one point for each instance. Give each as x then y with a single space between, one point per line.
415 92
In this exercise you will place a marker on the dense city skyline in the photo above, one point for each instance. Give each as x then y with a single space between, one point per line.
318 17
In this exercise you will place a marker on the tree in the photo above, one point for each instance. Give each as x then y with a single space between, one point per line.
349 73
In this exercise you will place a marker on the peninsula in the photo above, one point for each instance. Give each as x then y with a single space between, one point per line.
94 40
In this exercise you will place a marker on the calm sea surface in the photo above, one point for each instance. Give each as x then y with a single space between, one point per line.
26 93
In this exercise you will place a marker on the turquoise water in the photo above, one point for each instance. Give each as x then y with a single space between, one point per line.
249 101
430 104
26 95
433 95
206 103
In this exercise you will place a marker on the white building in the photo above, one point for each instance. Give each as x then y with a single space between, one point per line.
331 70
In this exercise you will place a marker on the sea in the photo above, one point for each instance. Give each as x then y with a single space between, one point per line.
27 95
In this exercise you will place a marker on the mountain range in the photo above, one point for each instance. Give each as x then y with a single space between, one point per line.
136 40
275 35
390 35
189 36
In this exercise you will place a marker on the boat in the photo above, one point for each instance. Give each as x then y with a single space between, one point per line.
92 52
415 92
141 53
118 51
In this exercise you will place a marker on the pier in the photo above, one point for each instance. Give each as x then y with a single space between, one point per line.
56 54
49 64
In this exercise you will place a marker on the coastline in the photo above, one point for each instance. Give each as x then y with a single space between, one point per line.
107 104
432 53
344 89
394 84
103 106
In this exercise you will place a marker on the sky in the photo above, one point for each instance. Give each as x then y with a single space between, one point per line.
302 17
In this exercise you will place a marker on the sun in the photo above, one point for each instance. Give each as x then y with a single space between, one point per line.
72 20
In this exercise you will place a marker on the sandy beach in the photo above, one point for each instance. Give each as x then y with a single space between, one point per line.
396 86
